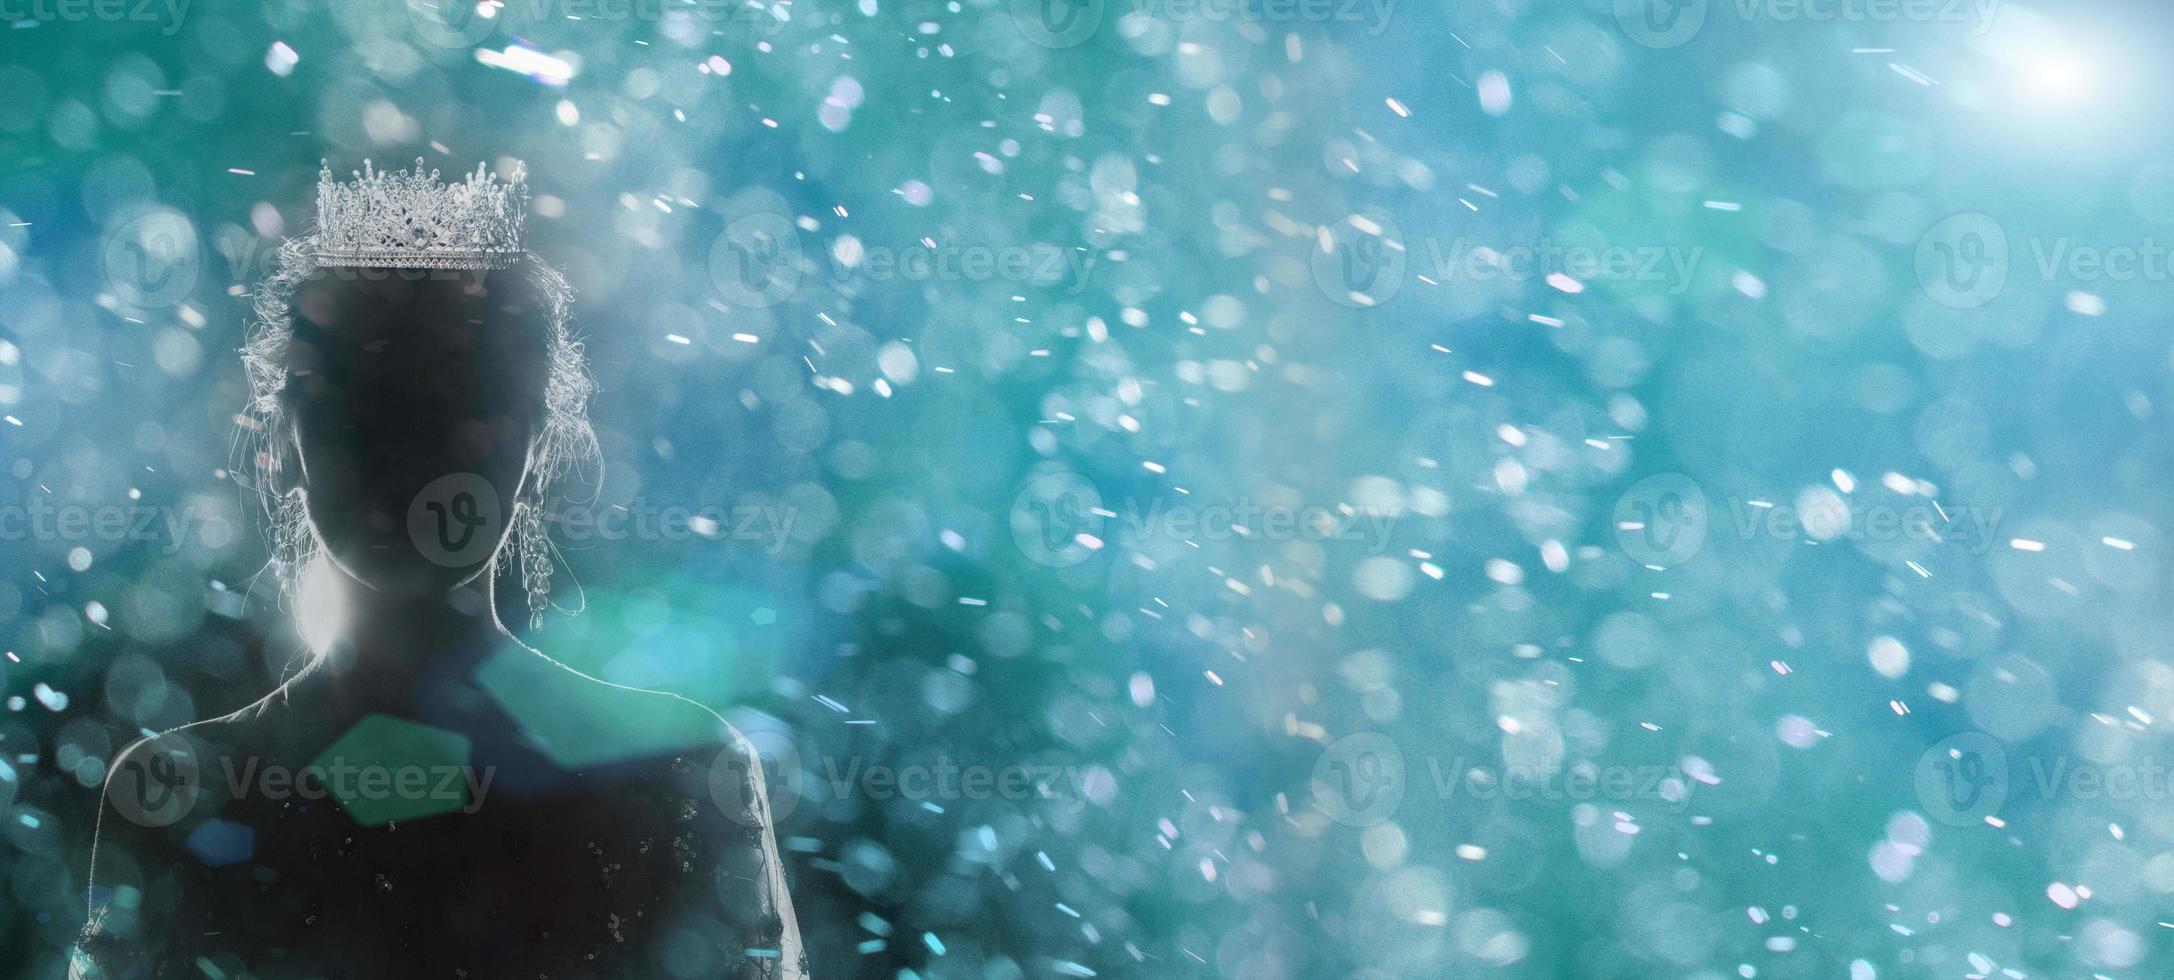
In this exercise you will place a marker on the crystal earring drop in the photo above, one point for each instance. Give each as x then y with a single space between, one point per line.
532 550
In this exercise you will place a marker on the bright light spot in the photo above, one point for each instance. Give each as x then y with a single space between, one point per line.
538 66
1494 93
320 609
2058 77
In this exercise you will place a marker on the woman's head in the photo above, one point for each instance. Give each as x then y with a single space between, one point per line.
412 421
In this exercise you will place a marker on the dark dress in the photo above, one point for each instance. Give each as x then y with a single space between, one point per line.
523 821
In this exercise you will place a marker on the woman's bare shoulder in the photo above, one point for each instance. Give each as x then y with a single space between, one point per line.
581 721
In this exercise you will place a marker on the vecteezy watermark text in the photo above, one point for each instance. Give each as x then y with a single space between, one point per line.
1363 260
1068 23
1830 519
1363 779
1966 260
1665 519
758 261
1968 778
461 24
937 782
43 520
155 260
169 14
162 781
769 525
945 779
461 787
1669 23
1040 264
1060 520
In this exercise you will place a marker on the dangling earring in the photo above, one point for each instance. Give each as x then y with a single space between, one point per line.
532 554
292 541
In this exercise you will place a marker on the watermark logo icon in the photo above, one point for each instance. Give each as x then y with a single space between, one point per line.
1057 520
1962 262
1359 261
450 23
156 782
755 261
456 520
1359 780
1661 520
153 259
1962 779
732 786
1057 23
1660 23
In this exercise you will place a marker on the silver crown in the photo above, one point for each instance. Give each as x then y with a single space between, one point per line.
412 220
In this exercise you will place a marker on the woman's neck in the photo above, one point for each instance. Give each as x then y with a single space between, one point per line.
380 651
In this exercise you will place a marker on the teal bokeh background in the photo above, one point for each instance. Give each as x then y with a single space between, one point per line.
1242 421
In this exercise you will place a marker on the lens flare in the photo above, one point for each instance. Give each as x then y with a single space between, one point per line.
320 607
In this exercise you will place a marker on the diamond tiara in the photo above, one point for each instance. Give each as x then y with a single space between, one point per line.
412 220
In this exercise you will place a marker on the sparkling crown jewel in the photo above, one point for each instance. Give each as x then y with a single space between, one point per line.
412 220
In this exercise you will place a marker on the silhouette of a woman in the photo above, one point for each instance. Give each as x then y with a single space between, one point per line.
429 797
